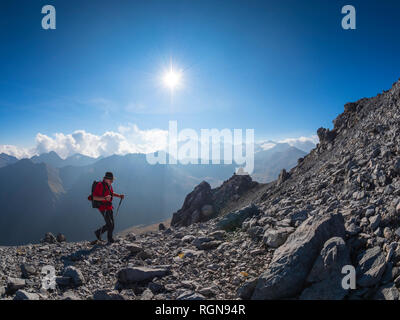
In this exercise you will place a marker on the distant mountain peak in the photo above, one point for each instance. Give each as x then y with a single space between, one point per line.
6 159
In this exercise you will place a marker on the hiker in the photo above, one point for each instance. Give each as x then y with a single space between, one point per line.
103 192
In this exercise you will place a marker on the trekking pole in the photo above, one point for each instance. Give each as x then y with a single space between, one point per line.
120 201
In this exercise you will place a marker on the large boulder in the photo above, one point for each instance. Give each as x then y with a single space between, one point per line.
326 274
371 266
75 276
61 238
197 207
246 289
14 284
232 189
292 262
235 219
49 238
27 270
387 292
276 237
139 274
204 203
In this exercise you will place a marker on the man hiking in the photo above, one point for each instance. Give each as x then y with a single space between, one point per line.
104 193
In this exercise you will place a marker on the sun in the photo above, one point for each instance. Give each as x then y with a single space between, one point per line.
172 79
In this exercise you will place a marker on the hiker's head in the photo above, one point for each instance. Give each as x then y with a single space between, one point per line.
109 177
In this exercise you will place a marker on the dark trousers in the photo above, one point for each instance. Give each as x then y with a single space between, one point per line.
109 226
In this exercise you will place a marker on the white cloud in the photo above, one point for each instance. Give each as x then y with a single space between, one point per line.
267 145
16 151
129 139
302 143
313 139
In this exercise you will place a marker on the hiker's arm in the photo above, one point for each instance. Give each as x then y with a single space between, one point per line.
106 198
118 195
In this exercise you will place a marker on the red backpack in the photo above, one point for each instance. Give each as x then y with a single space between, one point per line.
95 203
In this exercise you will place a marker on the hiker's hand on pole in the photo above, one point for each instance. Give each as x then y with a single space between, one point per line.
122 196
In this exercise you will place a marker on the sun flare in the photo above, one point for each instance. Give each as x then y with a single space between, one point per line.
172 79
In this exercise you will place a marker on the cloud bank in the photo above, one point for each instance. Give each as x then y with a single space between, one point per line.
128 139
302 143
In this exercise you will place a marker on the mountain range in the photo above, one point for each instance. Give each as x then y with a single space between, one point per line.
47 192
6 159
53 159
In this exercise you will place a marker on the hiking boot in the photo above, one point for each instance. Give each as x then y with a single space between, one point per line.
98 234
111 241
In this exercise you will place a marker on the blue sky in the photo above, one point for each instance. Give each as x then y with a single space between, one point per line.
284 68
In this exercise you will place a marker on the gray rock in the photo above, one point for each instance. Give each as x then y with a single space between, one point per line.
63 281
138 274
188 238
49 238
192 209
371 266
155 287
325 135
389 274
145 254
168 231
209 245
293 261
283 176
24 295
75 275
179 235
199 242
207 211
207 291
246 290
235 219
218 235
14 284
298 216
147 295
69 295
325 276
274 238
387 292
61 238
396 166
255 232
369 212
352 229
187 253
189 295
374 221
134 248
27 270
107 295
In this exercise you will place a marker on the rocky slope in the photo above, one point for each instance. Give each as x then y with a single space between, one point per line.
288 239
204 203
